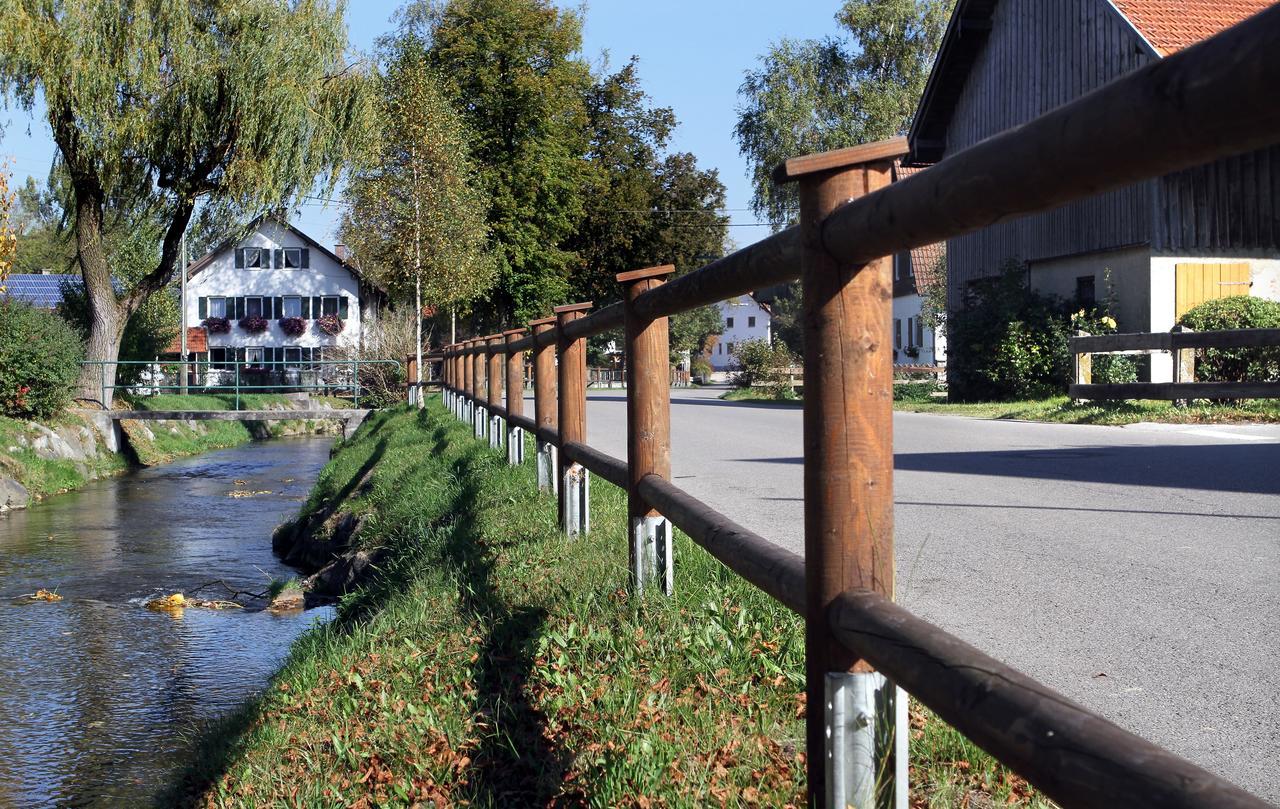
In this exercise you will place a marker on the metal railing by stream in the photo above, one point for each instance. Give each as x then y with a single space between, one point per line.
233 378
1209 101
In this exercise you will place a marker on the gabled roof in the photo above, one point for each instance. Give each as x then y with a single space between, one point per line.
1163 26
1168 26
199 264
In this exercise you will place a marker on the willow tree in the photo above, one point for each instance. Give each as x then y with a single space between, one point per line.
158 105
415 217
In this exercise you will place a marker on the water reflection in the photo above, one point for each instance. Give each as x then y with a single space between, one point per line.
98 694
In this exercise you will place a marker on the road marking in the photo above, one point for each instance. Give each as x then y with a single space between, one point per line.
1156 427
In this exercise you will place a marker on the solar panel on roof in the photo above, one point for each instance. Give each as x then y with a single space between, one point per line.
44 291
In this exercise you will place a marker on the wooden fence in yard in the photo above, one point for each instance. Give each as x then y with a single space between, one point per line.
1212 100
1183 343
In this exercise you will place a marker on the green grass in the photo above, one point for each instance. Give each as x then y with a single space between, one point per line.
496 663
42 477
759 395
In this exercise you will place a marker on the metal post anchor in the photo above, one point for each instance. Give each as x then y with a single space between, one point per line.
515 446
577 501
866 740
545 460
651 550
496 431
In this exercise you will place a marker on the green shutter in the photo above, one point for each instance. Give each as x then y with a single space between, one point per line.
239 258
316 307
279 257
342 307
239 307
306 258
204 308
279 308
306 308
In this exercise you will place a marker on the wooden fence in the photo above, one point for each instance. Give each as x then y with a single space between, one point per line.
1183 343
1212 100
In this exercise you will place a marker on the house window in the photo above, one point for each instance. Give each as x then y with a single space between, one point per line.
292 306
1085 291
728 323
217 358
253 355
217 307
730 348
897 332
292 258
255 257
329 305
751 323
253 307
911 331
911 267
292 356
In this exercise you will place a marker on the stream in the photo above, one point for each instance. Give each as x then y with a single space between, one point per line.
99 696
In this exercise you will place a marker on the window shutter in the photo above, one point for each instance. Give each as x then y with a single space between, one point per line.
306 307
342 307
306 258
204 308
239 307
239 258
279 307
316 308
279 257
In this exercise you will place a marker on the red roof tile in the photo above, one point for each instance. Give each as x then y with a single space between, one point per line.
197 341
927 263
1171 25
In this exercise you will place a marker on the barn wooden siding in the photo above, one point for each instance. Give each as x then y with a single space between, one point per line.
1231 207
1039 55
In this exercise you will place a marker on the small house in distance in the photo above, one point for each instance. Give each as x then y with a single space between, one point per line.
914 272
745 318
1158 247
275 295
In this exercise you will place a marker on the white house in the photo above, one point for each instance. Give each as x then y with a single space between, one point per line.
914 271
745 318
276 295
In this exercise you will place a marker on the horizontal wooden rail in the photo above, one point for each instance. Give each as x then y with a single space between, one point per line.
1077 758
1171 341
1170 391
608 467
601 320
778 572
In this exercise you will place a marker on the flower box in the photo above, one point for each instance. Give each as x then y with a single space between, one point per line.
217 325
293 326
254 324
331 324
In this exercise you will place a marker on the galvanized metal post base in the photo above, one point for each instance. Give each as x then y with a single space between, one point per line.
481 419
497 429
651 554
515 446
866 718
577 500
545 460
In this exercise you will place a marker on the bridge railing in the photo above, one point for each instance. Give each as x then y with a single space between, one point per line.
1210 101
235 377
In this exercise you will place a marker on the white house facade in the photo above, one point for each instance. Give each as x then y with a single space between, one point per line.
745 318
277 296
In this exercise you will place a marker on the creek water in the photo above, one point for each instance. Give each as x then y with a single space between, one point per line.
99 696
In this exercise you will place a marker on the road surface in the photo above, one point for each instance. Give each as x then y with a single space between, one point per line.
1134 569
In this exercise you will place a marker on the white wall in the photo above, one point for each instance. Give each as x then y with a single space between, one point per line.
1123 274
906 308
740 309
324 277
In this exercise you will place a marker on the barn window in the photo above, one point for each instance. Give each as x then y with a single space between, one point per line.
751 323
1086 294
292 306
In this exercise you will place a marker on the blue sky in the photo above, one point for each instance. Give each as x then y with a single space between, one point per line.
693 54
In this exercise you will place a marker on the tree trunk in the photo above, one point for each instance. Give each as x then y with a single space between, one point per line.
107 316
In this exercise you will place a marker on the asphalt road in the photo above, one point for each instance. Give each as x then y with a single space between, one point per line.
1134 569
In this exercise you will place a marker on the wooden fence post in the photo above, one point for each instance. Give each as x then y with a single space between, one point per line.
544 405
515 398
494 374
575 481
468 382
479 359
1184 363
848 483
648 361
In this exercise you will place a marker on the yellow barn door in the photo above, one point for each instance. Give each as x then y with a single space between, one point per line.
1197 283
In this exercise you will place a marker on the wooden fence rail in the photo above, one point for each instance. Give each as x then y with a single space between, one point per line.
1210 101
1183 343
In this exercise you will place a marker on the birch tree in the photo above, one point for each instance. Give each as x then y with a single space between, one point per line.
415 217
161 105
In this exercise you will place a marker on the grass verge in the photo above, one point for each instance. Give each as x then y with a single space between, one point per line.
495 663
42 476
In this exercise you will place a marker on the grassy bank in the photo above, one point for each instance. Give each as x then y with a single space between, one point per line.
1061 410
44 476
496 663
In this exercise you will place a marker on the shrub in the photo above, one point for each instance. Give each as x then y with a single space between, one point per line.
331 325
915 391
40 356
293 326
700 367
1235 364
1008 342
1106 369
254 324
757 362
